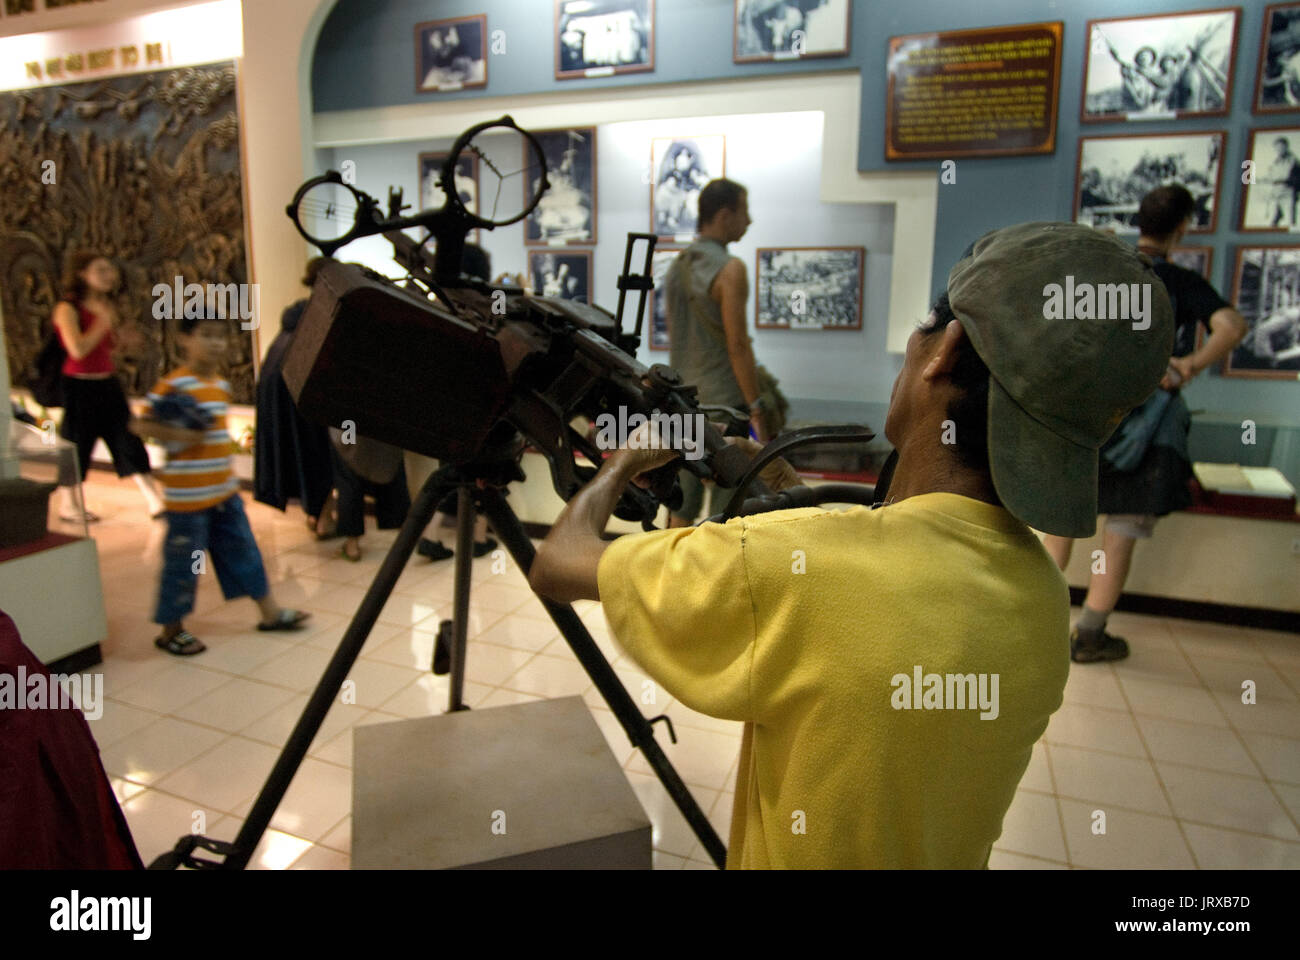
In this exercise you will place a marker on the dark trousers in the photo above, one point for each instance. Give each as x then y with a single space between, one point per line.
224 534
392 499
94 410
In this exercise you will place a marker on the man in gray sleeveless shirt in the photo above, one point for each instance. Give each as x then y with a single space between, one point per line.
707 289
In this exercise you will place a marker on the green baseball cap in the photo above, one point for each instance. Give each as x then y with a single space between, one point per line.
1076 330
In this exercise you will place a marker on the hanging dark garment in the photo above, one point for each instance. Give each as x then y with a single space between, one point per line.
291 455
57 809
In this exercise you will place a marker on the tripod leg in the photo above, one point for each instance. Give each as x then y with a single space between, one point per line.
465 511
434 489
637 728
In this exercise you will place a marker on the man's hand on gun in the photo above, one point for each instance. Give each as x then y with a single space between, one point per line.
644 452
778 474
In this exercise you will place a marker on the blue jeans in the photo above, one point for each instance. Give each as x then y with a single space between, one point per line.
224 533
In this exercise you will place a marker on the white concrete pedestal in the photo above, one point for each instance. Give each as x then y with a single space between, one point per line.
56 601
528 786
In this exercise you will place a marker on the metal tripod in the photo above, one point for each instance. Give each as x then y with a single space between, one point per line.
465 479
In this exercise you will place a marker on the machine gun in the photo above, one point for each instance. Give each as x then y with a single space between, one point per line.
471 373
458 369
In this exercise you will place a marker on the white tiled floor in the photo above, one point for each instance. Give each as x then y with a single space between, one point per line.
1161 744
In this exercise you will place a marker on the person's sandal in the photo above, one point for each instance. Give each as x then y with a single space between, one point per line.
182 643
287 620
343 552
331 531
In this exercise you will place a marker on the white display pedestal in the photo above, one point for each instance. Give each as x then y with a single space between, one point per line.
528 786
1199 557
55 600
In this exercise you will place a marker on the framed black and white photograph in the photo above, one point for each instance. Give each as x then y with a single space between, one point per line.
1267 292
1277 72
681 166
1197 259
567 212
1159 67
660 260
809 288
1269 198
599 38
790 29
431 195
466 174
1115 173
563 275
451 54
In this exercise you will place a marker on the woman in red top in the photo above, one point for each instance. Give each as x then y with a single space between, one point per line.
94 404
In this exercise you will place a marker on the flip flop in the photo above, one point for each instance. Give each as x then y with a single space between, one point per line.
182 643
287 620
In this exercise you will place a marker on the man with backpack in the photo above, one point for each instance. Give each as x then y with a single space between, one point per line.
1145 467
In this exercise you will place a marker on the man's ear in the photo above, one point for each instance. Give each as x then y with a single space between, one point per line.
945 354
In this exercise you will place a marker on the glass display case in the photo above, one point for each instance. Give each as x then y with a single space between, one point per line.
1248 440
45 457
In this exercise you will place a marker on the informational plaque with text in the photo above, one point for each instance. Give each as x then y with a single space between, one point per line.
973 93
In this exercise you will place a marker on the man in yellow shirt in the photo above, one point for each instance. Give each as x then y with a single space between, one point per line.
895 666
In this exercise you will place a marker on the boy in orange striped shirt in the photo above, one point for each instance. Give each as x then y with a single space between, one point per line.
204 509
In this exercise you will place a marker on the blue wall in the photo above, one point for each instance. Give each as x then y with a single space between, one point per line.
365 58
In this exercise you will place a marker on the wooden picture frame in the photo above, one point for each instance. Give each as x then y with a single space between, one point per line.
1261 199
1199 259
1122 212
774 297
674 190
1153 81
1290 91
1281 338
554 218
571 62
430 162
935 80
564 257
459 61
791 50
658 334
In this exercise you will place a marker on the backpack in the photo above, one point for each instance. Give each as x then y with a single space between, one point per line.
775 405
46 380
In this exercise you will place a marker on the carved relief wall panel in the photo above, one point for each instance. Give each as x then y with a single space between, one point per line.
144 169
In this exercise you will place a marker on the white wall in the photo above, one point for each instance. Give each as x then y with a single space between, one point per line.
778 157
202 32
836 93
275 111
